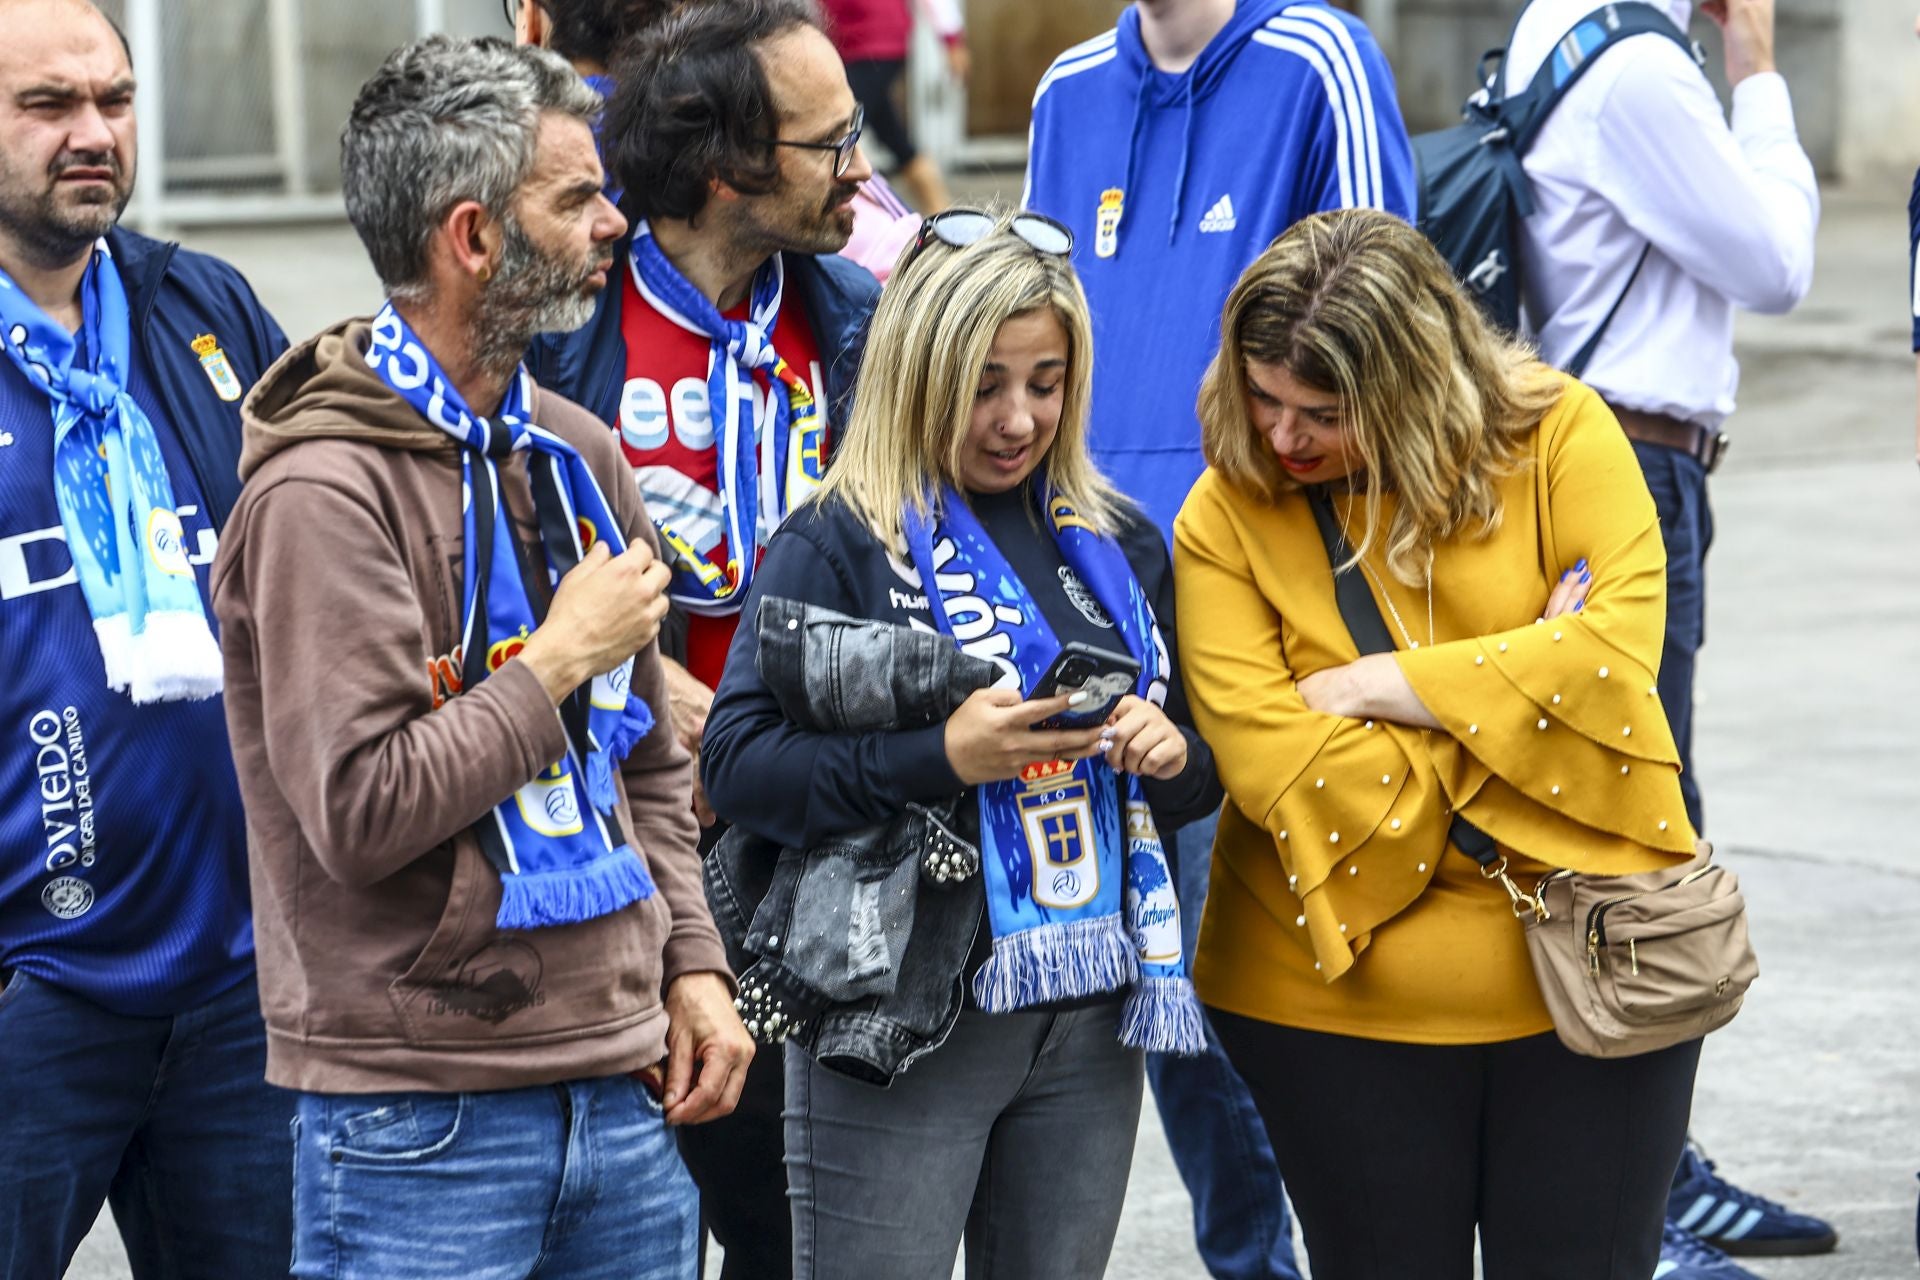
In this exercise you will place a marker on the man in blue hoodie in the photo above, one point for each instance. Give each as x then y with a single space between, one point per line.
1177 146
132 1052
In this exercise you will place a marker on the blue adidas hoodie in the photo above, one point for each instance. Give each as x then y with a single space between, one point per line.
1174 183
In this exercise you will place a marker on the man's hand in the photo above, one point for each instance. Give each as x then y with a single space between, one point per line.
707 1050
690 702
1746 28
604 611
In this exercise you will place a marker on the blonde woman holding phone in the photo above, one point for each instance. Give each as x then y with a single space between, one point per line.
992 1093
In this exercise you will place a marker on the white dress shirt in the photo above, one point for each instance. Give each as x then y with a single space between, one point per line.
1637 152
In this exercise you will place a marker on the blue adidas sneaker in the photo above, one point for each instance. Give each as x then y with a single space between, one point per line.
1684 1256
1736 1221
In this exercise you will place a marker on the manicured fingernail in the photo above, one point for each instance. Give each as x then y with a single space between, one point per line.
1583 563
1586 575
1079 699
1578 605
1106 745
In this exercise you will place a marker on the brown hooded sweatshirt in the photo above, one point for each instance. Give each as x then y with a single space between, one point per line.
364 766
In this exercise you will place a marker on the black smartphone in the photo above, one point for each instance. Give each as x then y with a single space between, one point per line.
1077 668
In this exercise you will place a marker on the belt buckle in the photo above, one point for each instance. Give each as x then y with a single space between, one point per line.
1713 447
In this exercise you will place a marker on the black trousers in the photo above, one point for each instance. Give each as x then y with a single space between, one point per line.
739 1165
1395 1153
874 85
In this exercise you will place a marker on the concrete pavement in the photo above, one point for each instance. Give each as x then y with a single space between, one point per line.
1808 748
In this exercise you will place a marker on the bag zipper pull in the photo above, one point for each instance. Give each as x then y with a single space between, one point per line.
1593 951
1633 953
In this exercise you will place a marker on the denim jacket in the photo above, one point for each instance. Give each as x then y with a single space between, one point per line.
771 771
858 945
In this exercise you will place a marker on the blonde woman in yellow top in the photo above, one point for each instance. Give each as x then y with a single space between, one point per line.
1370 985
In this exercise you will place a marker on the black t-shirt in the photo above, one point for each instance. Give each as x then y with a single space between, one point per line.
1013 521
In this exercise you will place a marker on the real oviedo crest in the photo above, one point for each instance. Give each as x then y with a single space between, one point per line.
1056 814
219 372
1106 222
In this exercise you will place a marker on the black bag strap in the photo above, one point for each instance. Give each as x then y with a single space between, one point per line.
1357 609
1370 635
1584 356
1572 57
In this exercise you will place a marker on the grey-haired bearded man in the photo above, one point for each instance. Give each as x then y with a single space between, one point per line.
486 962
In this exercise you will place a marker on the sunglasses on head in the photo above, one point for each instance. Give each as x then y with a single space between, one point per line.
962 227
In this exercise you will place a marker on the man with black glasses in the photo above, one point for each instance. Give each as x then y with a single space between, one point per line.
724 354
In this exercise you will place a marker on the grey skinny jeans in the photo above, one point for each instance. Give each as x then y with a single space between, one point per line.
1016 1133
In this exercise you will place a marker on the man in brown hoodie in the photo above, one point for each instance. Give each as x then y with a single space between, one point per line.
483 945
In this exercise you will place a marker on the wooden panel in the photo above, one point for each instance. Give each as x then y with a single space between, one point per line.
1013 42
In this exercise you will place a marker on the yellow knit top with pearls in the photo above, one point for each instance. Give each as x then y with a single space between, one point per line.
1337 903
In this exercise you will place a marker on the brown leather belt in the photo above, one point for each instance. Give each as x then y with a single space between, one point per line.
1702 444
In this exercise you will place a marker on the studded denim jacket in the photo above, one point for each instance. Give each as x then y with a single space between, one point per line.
856 947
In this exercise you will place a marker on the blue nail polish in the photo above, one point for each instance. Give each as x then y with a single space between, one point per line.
1581 565
1578 605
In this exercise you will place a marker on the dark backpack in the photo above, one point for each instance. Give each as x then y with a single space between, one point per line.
1474 194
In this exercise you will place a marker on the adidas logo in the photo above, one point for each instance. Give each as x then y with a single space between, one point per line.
1220 217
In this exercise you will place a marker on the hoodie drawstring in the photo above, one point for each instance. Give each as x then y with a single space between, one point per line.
1186 151
1133 151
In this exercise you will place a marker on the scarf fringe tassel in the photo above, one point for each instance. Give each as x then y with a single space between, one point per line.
603 886
636 722
174 658
1059 961
1162 1015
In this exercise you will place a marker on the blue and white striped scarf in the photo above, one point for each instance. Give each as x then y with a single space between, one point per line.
116 502
1079 895
789 455
554 841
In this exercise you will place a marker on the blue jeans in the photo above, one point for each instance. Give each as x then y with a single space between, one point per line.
1240 1219
1016 1134
579 1181
1679 487
168 1120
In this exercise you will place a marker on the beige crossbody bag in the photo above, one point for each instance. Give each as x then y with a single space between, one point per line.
1626 964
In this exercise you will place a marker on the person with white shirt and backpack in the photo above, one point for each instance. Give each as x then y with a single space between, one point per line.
1654 220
